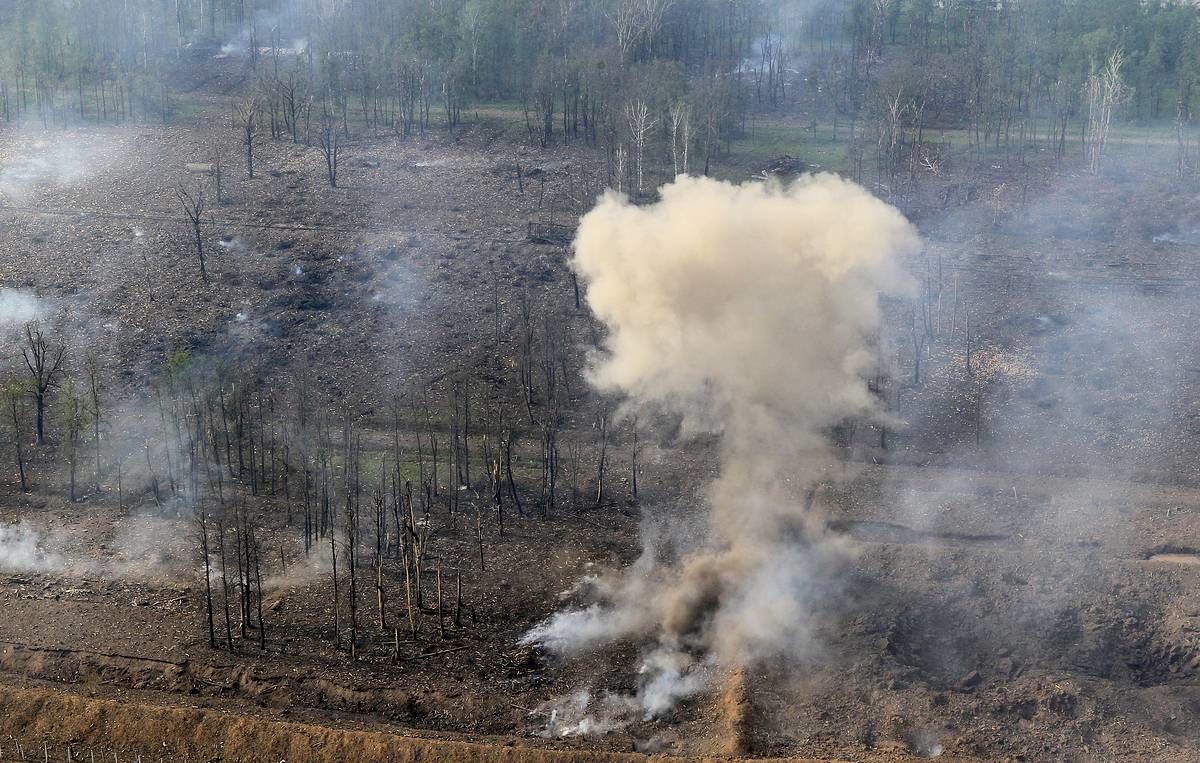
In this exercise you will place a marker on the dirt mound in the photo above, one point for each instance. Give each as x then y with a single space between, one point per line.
64 718
735 709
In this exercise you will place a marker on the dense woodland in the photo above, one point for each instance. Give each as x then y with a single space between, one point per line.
679 77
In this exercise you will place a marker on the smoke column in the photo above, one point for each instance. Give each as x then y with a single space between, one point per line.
753 313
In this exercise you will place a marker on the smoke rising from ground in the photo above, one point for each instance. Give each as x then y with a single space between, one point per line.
136 550
17 307
21 550
33 162
751 312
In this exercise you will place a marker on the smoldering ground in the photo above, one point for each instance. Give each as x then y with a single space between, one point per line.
34 162
134 550
18 306
751 313
1030 489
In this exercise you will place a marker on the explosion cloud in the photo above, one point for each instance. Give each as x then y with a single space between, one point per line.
751 312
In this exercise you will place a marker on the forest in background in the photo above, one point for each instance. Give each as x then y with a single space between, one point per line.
676 77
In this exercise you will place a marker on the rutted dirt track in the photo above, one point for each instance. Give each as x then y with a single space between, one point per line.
63 718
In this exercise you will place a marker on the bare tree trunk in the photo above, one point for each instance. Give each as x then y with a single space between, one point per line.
603 463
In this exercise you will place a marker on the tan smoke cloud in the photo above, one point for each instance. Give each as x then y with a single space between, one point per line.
752 311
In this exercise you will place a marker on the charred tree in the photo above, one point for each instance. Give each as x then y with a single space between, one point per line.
45 364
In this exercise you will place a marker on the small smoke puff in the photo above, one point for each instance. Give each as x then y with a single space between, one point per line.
582 714
143 546
21 550
769 611
303 572
576 630
59 162
18 307
668 675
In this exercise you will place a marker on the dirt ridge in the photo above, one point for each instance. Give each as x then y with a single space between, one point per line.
66 718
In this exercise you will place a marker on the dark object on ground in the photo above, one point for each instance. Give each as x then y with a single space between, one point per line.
785 167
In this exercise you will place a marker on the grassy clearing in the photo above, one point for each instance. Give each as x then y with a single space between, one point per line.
770 138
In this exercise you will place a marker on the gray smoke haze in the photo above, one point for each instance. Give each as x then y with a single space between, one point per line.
18 306
141 547
32 162
22 550
753 313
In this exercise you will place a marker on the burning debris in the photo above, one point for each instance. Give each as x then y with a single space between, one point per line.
749 312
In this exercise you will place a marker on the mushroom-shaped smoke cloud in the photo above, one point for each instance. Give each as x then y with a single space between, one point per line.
752 312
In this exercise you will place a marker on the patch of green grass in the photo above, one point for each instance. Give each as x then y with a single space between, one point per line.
770 139
496 111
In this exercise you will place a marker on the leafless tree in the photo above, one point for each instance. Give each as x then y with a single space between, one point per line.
1105 90
95 392
637 117
652 14
620 156
602 465
472 27
45 364
626 21
206 559
73 420
328 140
194 208
12 398
637 21
681 134
246 114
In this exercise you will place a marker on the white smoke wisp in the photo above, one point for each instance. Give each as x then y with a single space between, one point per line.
582 714
752 312
33 163
142 548
18 307
301 572
22 549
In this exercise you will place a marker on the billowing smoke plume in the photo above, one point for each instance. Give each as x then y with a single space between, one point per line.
751 312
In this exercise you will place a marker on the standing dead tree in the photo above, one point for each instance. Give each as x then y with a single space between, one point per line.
637 117
1105 90
206 559
194 208
246 116
95 391
73 420
602 465
45 364
681 135
12 399
328 140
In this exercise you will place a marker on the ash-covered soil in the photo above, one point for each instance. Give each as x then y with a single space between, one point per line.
957 629
1023 579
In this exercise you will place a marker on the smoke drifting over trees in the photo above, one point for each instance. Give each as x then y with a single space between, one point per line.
1005 72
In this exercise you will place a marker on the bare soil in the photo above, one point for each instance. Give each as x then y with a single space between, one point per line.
1024 583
